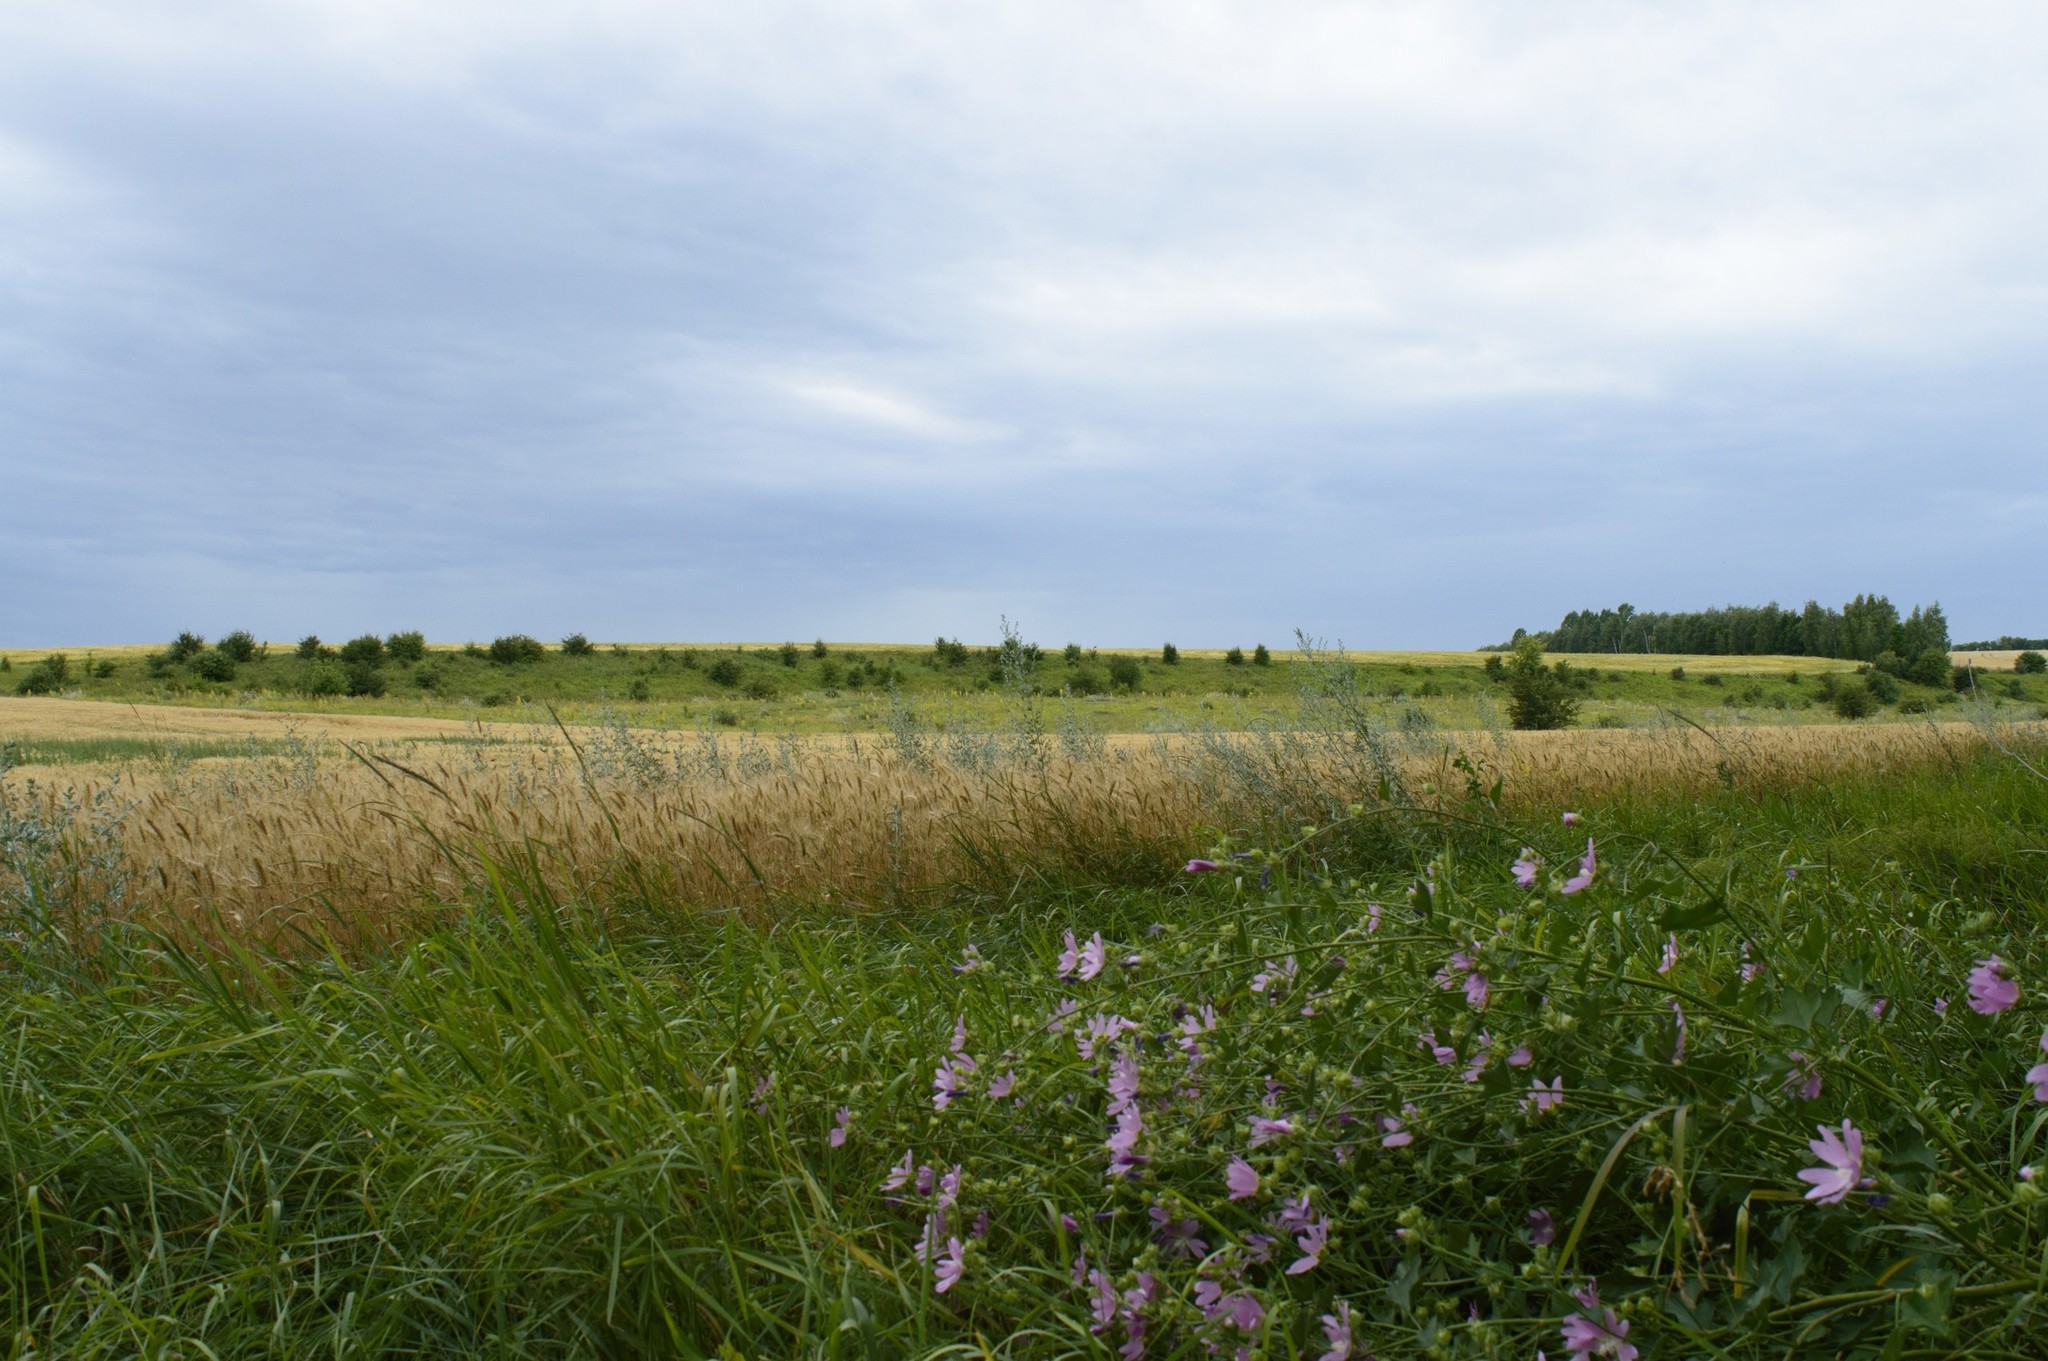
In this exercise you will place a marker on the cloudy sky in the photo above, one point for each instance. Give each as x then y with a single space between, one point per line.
1402 323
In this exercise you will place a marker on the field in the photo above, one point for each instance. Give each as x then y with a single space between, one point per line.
1308 1027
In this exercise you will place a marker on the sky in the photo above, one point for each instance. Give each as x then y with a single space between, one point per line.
1402 324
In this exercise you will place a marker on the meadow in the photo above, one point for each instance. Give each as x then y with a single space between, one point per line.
994 1031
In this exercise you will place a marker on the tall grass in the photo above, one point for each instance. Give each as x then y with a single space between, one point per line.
600 1123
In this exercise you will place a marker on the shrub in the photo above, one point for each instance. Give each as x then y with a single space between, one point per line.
213 665
953 653
1963 678
1071 654
1852 699
494 700
46 677
426 678
311 649
407 647
102 668
759 687
576 645
364 679
1496 670
1713 679
1537 698
1883 687
1125 673
1261 657
239 646
515 648
638 689
1930 668
367 650
1889 662
818 649
186 646
789 654
725 671
2030 663
158 665
1085 680
1234 657
1678 673
828 675
1169 655
323 678
472 650
725 718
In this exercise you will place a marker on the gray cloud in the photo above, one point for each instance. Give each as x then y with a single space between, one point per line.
1406 323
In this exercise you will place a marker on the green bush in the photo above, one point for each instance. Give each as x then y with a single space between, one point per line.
1538 699
515 648
1852 699
102 669
950 653
725 671
759 687
46 677
638 689
495 699
1883 686
725 718
1071 654
323 679
213 665
1678 673
239 646
311 649
1085 680
157 665
364 680
1261 657
1234 657
2030 663
407 647
1169 655
1931 667
1496 670
426 678
186 646
576 645
1125 673
367 650
790 655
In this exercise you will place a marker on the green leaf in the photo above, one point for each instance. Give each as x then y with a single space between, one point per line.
1693 918
1928 1306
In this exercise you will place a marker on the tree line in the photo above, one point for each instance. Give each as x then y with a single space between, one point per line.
1862 630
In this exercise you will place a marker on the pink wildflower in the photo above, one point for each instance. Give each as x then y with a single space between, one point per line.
1678 1018
1264 1131
1203 867
945 1086
1070 958
1542 1228
1242 1179
1670 954
1394 1134
949 1188
1526 868
1570 819
1541 1098
1804 1077
1337 1332
1372 918
1476 990
1104 1300
1241 1310
2038 1074
1274 975
1521 1058
1482 1054
1093 956
951 1266
1057 1022
837 1138
899 1175
1587 865
1842 1155
1992 988
1192 1027
1607 1335
970 960
1313 1238
961 1058
1443 1053
1941 1006
1004 1085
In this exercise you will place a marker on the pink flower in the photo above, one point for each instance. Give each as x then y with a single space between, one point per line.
951 1266
1394 1134
970 960
1057 1022
1606 1336
1193 1026
1003 1085
945 1086
1570 819
1265 1131
1313 1238
2038 1074
1241 1310
837 1138
1527 867
1476 989
1843 1158
1443 1053
1275 975
1482 1054
1587 865
1542 1228
1541 1098
1521 1058
1670 954
1093 956
1992 988
1203 867
1804 1077
1372 918
1070 958
1337 1332
1678 1049
1104 1300
899 1175
1242 1179
949 1188
1941 1006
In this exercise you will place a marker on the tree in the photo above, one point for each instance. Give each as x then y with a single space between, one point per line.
1169 655
186 646
239 646
410 646
1537 698
310 648
1125 672
1852 699
367 650
790 655
1261 657
576 645
2030 663
1234 657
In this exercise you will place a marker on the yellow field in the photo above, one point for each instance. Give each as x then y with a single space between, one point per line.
371 846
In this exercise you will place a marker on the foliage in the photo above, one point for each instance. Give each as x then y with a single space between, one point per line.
1125 673
1261 657
1853 699
758 687
185 647
1860 630
1883 687
576 645
46 677
310 648
2030 663
638 689
515 648
407 648
238 646
213 665
949 653
367 650
363 679
322 679
1169 655
819 650
1538 697
790 655
725 671
1234 657
1071 654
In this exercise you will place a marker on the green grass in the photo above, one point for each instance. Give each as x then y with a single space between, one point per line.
551 1129
850 688
70 751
